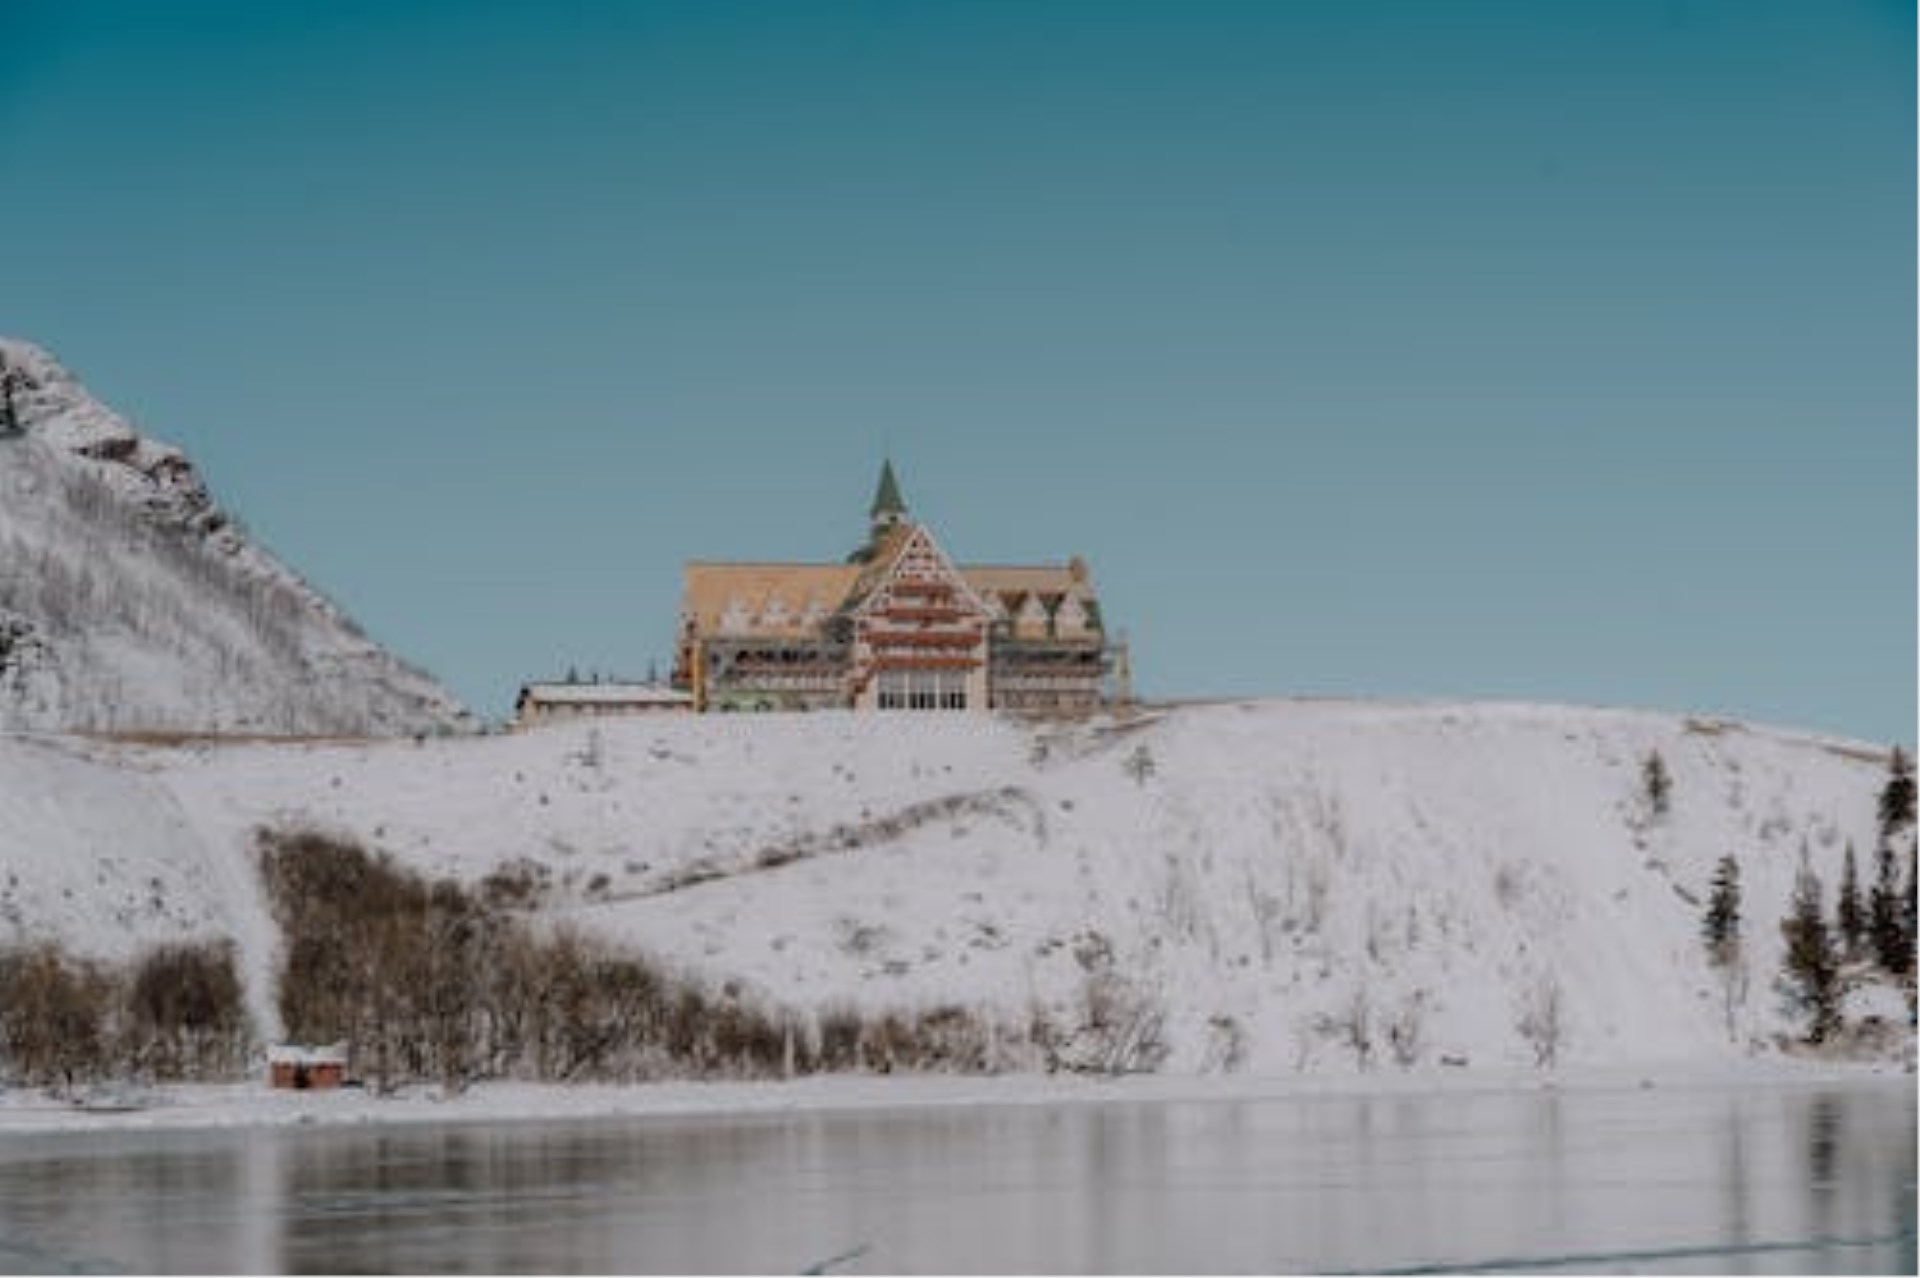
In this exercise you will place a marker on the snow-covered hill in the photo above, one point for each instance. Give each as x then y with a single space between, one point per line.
1281 886
130 601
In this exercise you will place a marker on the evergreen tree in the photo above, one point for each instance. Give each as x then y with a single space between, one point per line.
1884 910
1886 905
1907 911
9 411
1896 800
1850 916
1810 969
1913 894
1720 928
1657 784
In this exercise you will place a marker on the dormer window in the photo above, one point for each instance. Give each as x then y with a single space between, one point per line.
1070 618
1031 621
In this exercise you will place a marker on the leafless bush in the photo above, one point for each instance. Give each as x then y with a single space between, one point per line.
518 884
1309 882
1406 1030
55 1016
177 1013
1139 765
1226 1046
1734 978
1355 1024
840 1028
431 981
951 1039
1266 911
1178 902
1120 1029
1509 881
1540 1021
186 1013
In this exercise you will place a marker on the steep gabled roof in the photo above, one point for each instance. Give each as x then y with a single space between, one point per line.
886 561
711 588
1027 579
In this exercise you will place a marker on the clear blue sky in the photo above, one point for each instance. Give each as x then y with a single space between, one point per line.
1558 351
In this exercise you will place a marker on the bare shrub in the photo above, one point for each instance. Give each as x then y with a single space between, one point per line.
1355 1025
1226 1046
435 981
1139 765
840 1030
1509 883
952 1039
1120 1029
887 1041
55 1016
1540 1022
1406 1030
186 1013
516 885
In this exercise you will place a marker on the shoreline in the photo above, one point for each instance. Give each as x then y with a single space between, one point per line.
200 1106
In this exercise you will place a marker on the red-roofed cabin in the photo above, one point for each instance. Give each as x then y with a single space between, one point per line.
292 1067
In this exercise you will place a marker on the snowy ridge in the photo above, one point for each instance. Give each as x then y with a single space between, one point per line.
1282 887
129 601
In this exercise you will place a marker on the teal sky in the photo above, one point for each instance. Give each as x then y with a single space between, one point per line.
1466 349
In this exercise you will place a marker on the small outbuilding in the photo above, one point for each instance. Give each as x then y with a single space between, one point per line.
296 1067
540 703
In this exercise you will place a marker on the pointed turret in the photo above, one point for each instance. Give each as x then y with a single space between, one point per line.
888 512
888 508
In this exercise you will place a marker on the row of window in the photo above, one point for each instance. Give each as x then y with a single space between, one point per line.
923 690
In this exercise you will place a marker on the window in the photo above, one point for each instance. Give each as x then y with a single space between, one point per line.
923 690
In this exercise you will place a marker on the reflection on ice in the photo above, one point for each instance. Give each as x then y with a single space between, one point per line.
1755 1179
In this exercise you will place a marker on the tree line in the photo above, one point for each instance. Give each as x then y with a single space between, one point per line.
1875 931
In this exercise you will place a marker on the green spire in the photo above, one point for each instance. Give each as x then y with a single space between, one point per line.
887 504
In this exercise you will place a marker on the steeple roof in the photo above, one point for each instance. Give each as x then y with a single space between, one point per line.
886 498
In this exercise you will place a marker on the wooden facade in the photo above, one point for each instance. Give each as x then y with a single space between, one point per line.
898 626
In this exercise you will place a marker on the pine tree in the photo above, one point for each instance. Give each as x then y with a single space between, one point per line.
1657 783
1850 916
1884 910
1886 906
1896 800
1912 902
1810 969
1720 928
9 412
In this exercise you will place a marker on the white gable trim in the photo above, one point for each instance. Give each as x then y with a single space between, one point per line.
921 539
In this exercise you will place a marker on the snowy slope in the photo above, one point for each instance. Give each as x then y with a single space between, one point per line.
130 601
1285 878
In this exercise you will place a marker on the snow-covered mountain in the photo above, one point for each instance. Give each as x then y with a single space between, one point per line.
130 601
1277 886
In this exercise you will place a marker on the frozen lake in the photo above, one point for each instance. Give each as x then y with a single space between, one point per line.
1801 1178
